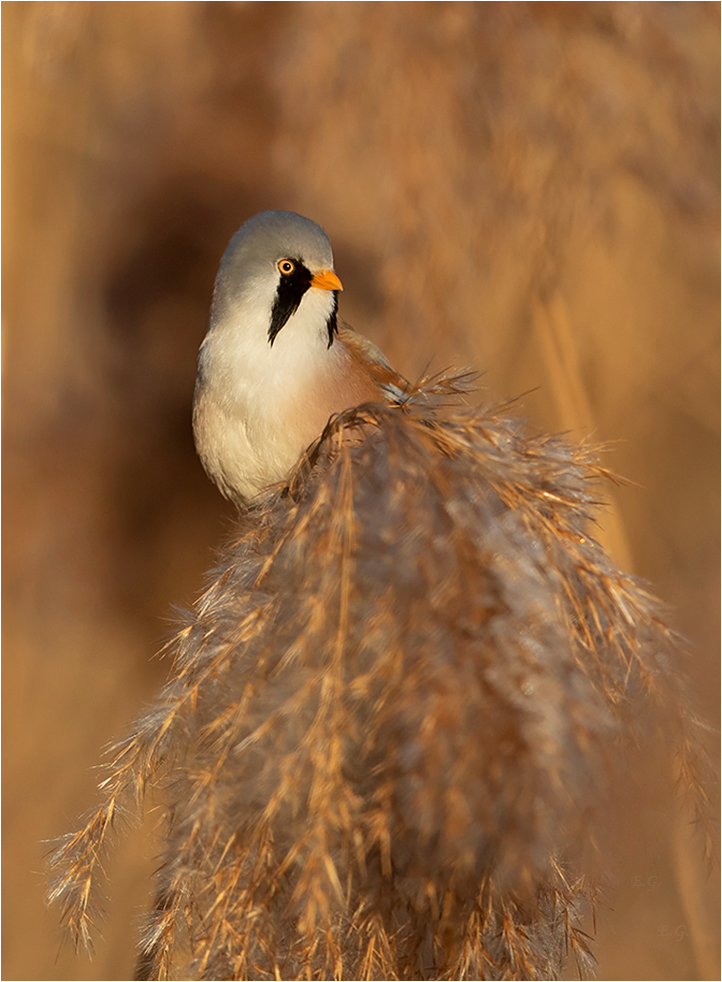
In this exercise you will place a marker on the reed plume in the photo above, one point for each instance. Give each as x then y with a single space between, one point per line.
394 715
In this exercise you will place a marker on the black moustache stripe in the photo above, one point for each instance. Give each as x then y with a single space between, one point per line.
331 323
289 295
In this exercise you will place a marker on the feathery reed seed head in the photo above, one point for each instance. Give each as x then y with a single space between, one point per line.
390 717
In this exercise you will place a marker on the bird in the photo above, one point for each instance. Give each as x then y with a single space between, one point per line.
276 363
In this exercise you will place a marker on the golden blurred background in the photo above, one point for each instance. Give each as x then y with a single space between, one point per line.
530 189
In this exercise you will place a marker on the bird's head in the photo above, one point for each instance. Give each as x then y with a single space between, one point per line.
277 266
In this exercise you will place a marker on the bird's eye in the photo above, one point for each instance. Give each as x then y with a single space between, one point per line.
286 266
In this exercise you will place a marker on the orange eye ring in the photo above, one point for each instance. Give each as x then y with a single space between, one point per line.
286 266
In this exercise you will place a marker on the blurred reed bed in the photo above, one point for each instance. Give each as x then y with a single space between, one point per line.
531 189
395 715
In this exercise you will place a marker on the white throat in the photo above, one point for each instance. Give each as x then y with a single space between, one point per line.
258 406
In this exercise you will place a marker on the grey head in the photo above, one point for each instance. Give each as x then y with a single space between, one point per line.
249 272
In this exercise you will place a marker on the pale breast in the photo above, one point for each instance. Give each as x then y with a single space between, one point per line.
247 447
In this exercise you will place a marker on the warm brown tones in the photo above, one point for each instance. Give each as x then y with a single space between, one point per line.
530 189
394 717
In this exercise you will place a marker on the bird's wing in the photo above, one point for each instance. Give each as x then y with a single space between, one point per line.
374 364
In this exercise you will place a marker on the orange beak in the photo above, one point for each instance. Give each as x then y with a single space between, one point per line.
326 279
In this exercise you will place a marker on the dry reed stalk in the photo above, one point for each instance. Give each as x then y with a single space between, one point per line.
559 346
394 715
